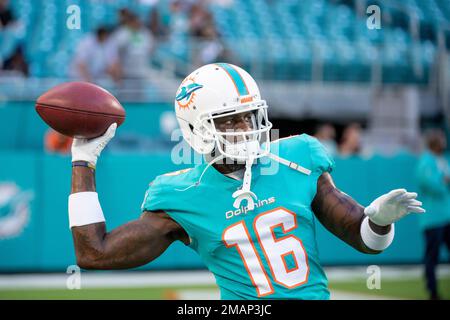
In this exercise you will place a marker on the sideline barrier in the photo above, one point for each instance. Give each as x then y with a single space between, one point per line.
42 241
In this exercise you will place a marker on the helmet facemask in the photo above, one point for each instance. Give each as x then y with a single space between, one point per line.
238 145
242 147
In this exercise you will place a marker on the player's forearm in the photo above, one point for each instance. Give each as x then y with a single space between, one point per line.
345 220
128 246
342 215
83 179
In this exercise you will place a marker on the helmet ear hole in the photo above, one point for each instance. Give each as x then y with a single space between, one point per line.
191 127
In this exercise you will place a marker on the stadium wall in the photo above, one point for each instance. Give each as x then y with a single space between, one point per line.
21 128
35 235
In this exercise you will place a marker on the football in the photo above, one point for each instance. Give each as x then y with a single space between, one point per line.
79 109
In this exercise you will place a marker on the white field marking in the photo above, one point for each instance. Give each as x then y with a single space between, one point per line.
197 294
347 295
336 274
127 279
100 279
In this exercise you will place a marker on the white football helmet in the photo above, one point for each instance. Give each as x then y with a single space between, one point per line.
221 90
218 90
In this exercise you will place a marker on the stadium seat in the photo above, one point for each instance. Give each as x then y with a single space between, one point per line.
277 39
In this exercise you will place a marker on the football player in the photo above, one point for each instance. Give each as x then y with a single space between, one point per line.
249 210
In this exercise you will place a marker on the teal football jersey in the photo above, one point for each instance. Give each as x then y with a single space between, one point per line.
269 252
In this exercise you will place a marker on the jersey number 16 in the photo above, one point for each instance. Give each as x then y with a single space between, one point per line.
275 250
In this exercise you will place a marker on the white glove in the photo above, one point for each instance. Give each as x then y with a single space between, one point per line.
89 149
393 206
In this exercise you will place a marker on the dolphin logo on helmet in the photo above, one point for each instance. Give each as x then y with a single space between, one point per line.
186 91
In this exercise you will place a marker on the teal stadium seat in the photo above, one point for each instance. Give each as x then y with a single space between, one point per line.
272 39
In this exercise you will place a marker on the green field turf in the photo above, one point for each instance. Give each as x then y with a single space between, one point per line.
143 293
413 288
405 289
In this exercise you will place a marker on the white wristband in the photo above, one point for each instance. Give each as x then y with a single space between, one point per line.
374 240
84 208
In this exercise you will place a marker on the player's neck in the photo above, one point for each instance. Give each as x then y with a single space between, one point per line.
225 165
226 168
437 152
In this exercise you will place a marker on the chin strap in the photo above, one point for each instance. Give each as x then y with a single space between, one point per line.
245 193
201 176
290 164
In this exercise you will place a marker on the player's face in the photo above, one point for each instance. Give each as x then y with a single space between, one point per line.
240 122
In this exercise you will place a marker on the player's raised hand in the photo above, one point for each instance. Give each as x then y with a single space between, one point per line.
89 149
392 206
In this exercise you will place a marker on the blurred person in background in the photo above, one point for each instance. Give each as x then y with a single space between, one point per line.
17 63
434 186
155 24
179 21
124 15
55 142
326 134
6 15
96 58
199 19
201 25
351 140
212 48
134 43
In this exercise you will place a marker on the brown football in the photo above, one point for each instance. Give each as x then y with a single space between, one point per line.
79 109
